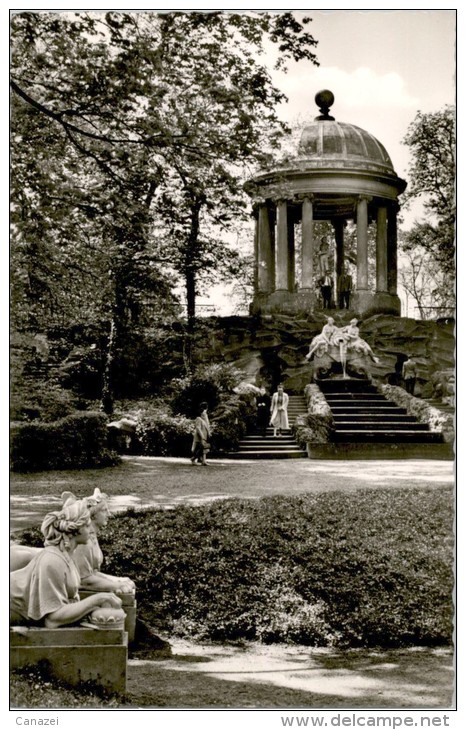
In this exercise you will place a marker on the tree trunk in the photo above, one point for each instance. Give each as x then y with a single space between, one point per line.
107 387
190 281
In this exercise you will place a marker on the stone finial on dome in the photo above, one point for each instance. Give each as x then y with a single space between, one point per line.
324 100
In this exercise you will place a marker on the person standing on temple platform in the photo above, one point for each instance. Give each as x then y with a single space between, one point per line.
409 375
263 410
326 285
344 289
279 411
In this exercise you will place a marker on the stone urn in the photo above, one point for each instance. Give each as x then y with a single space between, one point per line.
108 618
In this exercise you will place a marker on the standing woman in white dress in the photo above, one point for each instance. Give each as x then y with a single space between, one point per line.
279 411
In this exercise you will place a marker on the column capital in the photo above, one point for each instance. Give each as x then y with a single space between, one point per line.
301 197
366 198
280 199
257 202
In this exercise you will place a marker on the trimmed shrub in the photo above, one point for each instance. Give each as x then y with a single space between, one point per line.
436 419
231 421
75 442
163 435
317 426
40 399
367 568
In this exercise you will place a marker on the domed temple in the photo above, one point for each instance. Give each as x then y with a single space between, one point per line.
341 173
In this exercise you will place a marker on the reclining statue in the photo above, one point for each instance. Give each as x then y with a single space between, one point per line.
44 592
87 556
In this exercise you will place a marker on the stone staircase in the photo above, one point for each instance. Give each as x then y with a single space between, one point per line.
362 414
444 407
255 446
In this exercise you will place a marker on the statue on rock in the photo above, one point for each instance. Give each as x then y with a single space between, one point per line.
89 557
324 340
340 346
353 341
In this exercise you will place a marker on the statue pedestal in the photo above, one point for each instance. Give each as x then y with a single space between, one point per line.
330 363
74 655
300 302
366 303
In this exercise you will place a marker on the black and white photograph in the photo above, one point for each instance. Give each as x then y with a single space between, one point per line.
232 367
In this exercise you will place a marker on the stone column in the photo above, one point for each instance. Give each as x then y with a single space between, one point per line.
339 227
291 252
307 244
361 259
392 242
282 246
266 259
255 214
381 250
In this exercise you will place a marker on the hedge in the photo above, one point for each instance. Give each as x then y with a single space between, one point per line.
366 568
74 442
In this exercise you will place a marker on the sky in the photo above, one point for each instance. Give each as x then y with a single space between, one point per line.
382 67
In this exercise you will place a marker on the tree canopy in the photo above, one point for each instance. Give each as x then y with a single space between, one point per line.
131 136
432 175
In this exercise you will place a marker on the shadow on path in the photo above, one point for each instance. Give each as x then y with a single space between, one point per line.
282 676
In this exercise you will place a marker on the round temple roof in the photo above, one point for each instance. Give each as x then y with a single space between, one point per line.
330 140
324 139
333 158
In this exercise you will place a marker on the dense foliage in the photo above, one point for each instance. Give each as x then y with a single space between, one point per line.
430 244
363 568
131 136
77 441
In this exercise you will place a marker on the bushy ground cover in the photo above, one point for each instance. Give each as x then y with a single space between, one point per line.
367 568
165 427
361 569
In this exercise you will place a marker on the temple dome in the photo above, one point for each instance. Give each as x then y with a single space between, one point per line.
323 140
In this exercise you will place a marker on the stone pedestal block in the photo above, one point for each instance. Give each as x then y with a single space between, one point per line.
74 655
285 302
366 303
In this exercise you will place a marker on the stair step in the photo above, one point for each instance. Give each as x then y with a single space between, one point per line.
353 406
401 436
269 437
267 447
378 450
374 416
369 402
331 397
296 454
345 384
380 425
